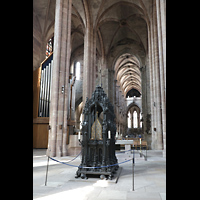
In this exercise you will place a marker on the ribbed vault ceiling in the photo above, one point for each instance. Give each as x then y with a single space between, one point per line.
127 73
118 24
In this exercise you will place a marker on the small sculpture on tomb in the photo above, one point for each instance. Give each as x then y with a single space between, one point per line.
98 143
96 129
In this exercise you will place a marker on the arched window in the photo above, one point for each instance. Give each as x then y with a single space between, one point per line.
135 122
129 119
140 120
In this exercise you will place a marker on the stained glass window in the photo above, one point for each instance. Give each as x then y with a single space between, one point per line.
49 47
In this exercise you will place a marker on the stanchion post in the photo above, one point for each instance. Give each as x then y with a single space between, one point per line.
133 168
146 154
47 171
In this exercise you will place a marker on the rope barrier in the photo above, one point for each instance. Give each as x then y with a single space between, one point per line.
89 167
81 151
63 162
107 165
66 163
74 158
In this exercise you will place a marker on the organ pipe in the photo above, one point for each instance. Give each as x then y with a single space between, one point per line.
45 87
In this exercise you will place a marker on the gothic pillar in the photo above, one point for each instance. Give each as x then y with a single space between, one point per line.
138 119
162 49
152 83
117 103
60 78
156 69
115 98
105 79
89 65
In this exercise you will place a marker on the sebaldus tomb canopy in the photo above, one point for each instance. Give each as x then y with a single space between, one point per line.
98 143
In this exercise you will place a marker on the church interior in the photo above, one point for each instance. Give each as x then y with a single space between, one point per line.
118 45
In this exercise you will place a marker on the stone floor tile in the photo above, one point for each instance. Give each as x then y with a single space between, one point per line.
112 194
149 180
143 196
163 196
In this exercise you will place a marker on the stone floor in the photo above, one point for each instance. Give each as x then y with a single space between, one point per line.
149 179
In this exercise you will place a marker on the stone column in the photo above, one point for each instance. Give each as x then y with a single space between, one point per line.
161 47
153 80
117 103
108 82
105 80
60 79
138 119
150 66
89 65
150 50
157 81
115 98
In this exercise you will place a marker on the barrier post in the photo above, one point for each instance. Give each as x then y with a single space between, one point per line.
46 171
140 148
133 169
146 154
